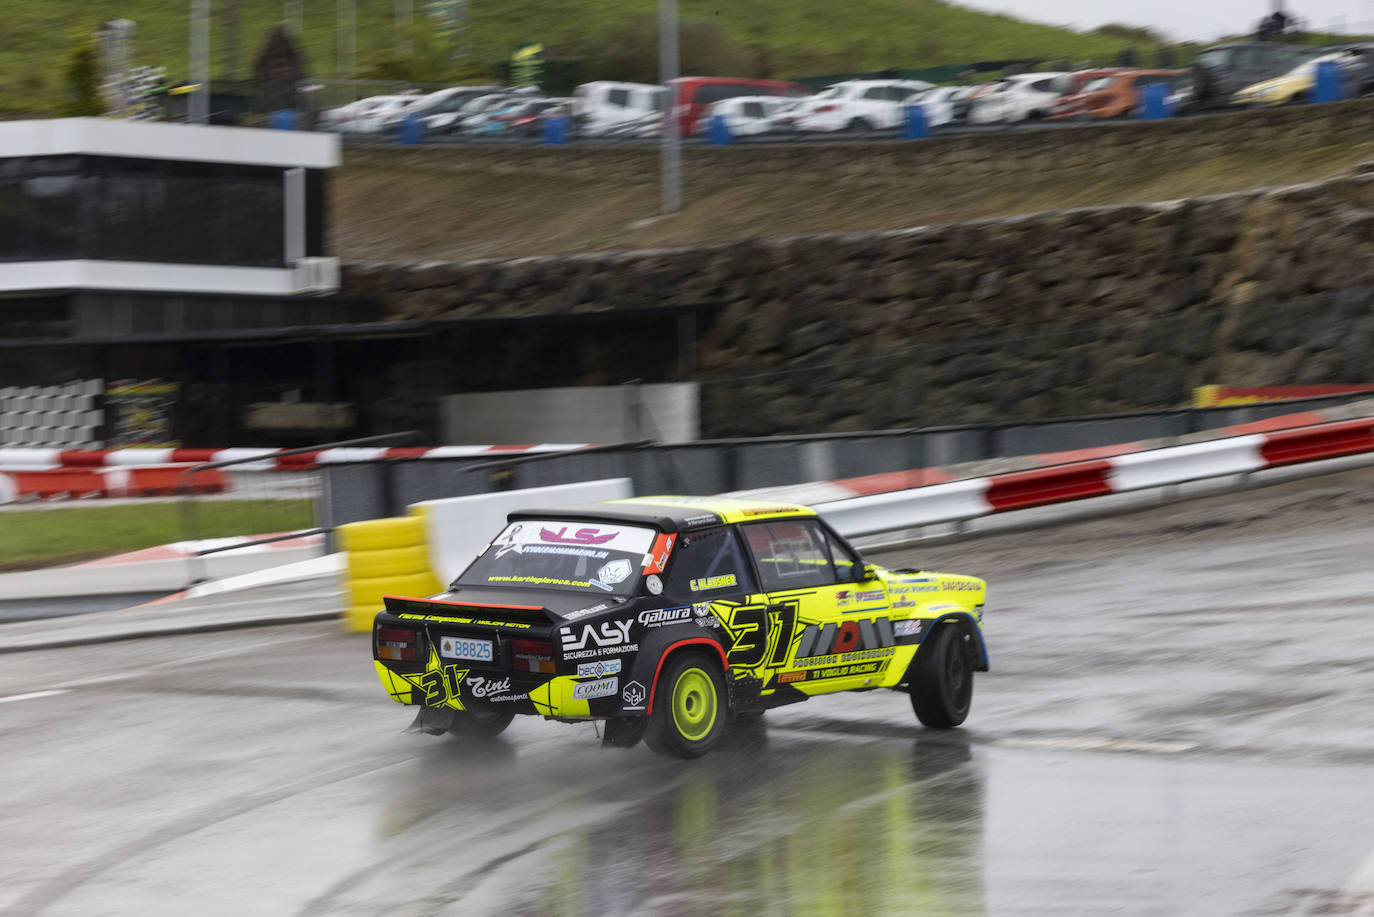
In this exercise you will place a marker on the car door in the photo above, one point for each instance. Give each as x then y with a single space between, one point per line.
821 623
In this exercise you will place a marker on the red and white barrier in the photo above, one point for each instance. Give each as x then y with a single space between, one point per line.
304 461
107 482
968 499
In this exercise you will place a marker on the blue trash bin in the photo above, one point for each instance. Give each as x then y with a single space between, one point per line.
1328 83
285 120
1154 101
412 129
556 130
917 124
719 133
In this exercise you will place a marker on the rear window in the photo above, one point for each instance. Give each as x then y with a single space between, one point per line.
618 97
574 556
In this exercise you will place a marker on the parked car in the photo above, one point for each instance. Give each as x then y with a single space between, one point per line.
1070 102
961 102
1221 71
1118 96
440 109
605 108
690 96
667 617
526 119
365 116
748 116
473 117
1022 97
859 105
1298 84
938 103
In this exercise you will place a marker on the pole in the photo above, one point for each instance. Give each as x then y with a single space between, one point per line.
347 28
671 143
405 39
198 105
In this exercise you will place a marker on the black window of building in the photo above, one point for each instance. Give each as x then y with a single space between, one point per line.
126 209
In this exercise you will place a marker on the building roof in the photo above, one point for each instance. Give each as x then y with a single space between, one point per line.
178 142
672 513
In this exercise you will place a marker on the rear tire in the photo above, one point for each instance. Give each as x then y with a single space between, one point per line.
941 680
859 126
689 712
482 723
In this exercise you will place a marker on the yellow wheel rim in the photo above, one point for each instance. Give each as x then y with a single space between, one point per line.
694 705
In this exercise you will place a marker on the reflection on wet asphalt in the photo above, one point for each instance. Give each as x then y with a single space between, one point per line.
1171 727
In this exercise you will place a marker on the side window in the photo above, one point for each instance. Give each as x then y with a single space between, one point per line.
790 554
618 97
707 565
843 557
876 92
752 110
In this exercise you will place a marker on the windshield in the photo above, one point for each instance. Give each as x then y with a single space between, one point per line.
558 554
1102 82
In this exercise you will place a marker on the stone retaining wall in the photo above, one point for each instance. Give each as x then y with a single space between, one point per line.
1069 312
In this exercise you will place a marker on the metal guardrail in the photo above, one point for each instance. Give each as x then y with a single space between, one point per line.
190 517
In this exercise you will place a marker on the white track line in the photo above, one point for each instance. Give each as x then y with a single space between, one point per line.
31 696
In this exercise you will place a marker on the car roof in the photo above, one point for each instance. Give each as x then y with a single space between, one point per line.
672 513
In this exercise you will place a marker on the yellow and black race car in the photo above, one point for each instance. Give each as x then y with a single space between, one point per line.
664 616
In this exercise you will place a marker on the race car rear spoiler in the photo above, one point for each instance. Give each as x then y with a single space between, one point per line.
470 612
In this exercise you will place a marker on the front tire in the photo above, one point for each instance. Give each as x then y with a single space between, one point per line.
482 723
689 707
941 680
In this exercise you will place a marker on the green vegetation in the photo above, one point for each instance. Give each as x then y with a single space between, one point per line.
752 38
31 538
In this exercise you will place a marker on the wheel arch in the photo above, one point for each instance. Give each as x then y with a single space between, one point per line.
676 648
968 625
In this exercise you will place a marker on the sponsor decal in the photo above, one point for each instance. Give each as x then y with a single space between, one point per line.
701 609
602 651
661 616
583 612
583 536
904 603
653 584
849 596
506 698
846 671
955 585
692 521
633 695
657 558
708 622
486 687
447 620
907 628
589 690
848 637
788 677
602 634
768 511
617 571
912 590
706 583
598 669
846 657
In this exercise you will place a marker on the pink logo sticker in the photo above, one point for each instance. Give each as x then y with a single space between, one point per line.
581 536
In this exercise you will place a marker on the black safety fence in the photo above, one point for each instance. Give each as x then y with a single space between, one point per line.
366 490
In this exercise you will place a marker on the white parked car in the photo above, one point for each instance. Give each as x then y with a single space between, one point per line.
1022 97
438 108
363 116
858 105
938 103
750 115
606 108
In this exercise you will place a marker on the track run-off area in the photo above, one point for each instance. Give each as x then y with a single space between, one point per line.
1177 722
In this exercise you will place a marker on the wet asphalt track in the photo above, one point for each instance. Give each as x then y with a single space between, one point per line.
1178 722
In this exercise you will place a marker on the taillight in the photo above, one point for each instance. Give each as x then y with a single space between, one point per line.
532 656
398 643
826 108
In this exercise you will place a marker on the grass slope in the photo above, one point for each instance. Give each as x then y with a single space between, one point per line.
34 537
780 37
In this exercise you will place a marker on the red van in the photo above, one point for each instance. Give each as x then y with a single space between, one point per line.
692 95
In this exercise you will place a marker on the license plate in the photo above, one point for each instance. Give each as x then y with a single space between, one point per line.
465 648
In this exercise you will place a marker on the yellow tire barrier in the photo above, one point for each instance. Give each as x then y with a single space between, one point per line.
385 557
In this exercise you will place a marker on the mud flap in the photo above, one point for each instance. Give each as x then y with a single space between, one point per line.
432 721
624 731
